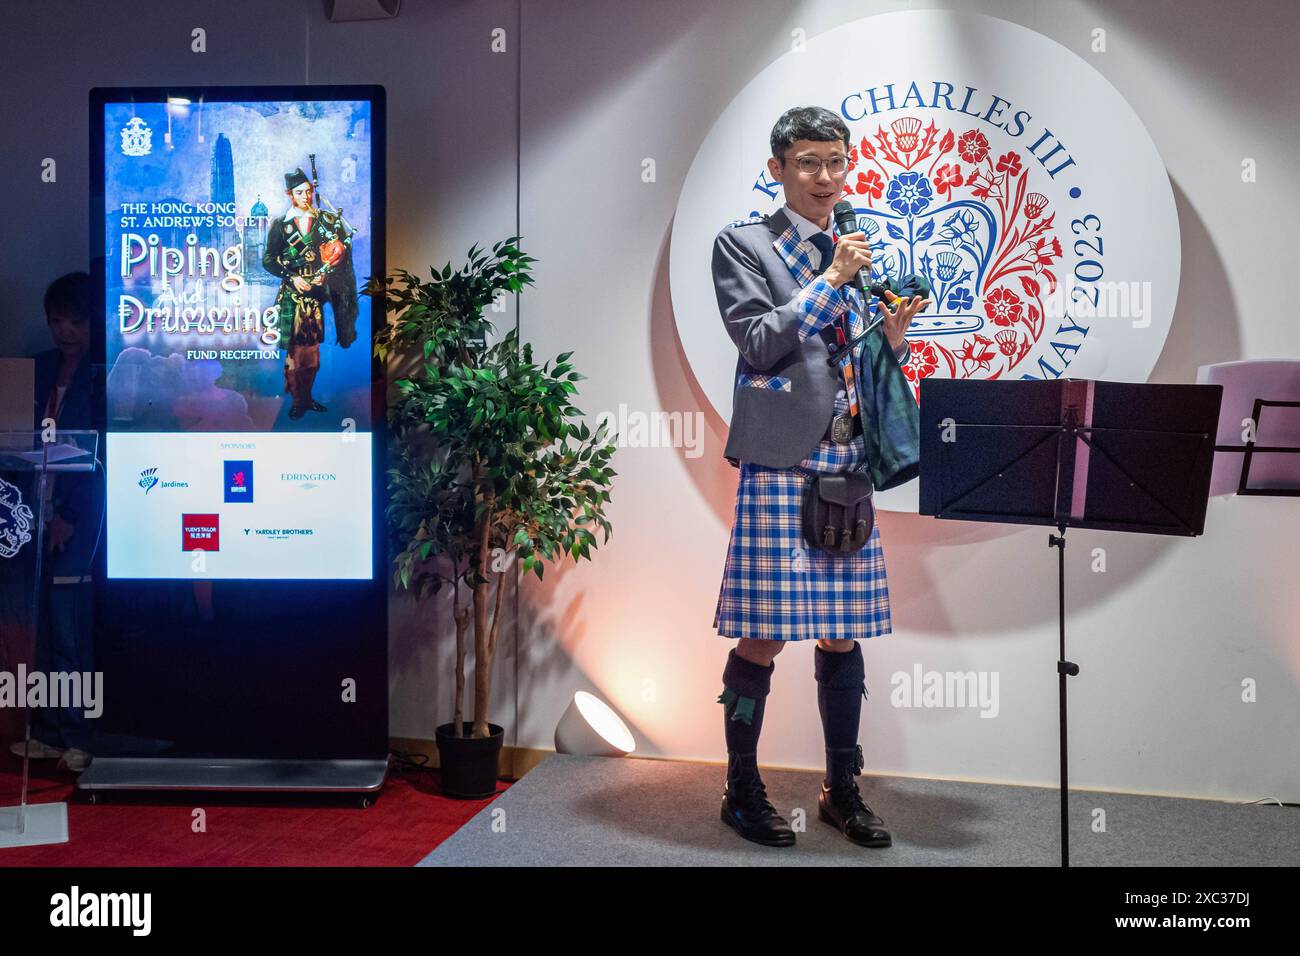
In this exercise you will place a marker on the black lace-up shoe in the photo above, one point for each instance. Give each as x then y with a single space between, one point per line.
745 807
841 805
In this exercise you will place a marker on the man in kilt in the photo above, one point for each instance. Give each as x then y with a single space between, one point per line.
785 290
310 251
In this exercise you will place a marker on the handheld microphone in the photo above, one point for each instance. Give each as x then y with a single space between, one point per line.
845 223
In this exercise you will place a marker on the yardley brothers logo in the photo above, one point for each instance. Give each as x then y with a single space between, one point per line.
984 156
278 534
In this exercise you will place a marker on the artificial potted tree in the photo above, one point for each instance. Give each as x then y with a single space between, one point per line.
491 464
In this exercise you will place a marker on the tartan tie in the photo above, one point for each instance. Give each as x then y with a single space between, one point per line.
825 247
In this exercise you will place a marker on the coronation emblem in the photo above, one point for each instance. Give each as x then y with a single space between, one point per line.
947 205
1021 184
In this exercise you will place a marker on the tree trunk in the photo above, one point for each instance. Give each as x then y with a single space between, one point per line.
482 650
461 618
496 614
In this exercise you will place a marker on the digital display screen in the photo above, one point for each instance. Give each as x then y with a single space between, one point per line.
237 236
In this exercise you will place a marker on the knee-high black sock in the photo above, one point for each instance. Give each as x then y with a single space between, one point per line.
744 696
840 689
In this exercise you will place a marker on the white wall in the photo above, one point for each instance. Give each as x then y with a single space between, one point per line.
1164 637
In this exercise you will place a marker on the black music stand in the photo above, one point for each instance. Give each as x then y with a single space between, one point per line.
1070 453
1252 448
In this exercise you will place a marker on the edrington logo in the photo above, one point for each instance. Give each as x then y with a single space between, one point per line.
309 479
1019 183
75 908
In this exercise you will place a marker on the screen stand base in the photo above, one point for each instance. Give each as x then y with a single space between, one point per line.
215 773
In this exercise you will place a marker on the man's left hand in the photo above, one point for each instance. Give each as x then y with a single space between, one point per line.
898 319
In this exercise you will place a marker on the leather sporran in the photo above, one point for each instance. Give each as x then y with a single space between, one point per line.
838 513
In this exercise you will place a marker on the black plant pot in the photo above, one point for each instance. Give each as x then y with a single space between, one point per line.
469 764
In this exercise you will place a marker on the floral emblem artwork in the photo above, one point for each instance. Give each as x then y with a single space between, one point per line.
1021 187
946 205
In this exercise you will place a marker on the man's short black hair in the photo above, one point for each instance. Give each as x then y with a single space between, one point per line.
807 122
70 295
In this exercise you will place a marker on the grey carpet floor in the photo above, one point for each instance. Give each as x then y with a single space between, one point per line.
594 811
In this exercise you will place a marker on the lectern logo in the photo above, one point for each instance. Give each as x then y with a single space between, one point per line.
1022 186
15 520
137 138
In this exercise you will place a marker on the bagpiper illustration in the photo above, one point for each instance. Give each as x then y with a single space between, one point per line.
310 250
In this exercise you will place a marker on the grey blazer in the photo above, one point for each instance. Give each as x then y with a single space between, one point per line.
773 424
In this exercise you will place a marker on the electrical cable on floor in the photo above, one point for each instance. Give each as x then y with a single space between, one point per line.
404 760
1263 800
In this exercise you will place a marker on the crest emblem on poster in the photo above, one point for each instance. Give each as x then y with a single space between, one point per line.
137 138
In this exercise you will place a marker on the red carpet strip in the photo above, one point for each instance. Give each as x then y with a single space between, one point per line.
407 820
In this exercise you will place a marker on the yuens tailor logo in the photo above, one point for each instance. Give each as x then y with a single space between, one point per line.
200 532
984 156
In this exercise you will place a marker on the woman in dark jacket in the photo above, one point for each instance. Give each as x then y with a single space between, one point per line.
64 390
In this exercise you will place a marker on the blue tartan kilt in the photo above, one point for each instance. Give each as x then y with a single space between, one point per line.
776 587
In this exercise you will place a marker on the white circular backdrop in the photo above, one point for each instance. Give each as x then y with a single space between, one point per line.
986 156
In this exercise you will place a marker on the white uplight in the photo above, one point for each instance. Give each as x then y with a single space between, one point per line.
590 728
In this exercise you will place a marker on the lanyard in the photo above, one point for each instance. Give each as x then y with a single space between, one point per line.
846 367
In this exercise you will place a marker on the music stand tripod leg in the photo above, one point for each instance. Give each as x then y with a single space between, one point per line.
1064 669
